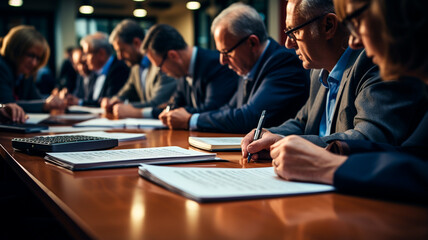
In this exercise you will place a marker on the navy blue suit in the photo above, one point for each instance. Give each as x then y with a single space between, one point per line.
280 86
213 85
116 77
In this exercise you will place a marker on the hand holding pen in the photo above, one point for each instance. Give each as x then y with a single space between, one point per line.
258 131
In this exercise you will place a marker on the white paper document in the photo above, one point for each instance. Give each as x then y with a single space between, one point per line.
85 109
126 157
121 136
131 123
64 129
220 184
36 118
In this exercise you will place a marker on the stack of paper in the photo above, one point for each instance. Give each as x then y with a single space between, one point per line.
216 143
126 157
131 123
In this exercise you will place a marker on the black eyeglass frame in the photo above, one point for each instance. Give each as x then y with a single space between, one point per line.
290 33
226 52
347 20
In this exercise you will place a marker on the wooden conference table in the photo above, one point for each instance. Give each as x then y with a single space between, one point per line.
119 204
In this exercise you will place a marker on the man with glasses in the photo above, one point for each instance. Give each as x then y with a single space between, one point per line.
347 99
202 83
146 85
272 77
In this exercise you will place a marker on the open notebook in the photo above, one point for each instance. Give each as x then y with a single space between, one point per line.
221 184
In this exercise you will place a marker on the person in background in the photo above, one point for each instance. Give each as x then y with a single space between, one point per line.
68 74
202 83
11 112
23 52
81 90
393 34
272 77
347 100
108 74
146 85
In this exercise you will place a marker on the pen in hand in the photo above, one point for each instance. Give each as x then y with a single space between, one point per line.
258 131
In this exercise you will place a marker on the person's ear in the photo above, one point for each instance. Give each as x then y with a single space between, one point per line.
330 25
254 41
136 42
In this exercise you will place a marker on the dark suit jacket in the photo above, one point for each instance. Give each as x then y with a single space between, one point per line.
366 107
213 85
382 170
157 90
29 97
115 79
280 86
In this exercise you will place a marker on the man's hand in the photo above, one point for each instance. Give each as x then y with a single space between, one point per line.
108 103
13 112
260 148
121 110
295 158
178 119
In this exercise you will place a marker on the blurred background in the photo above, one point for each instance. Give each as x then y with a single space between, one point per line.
65 22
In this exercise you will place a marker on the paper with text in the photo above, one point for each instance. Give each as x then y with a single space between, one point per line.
205 184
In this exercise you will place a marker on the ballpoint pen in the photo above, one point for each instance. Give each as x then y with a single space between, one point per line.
258 131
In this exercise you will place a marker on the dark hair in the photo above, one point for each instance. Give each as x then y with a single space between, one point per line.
126 31
161 38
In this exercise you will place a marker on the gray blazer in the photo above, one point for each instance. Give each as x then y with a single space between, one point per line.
158 88
366 108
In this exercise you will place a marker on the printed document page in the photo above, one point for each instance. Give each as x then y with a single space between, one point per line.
208 184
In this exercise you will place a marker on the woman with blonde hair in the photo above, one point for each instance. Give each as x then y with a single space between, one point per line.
23 51
392 32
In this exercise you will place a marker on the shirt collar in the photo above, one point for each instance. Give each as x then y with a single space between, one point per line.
145 62
105 68
337 72
251 74
192 62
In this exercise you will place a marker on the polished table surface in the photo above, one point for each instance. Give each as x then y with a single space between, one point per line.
119 204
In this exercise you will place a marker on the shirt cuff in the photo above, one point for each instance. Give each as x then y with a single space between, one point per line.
193 123
147 112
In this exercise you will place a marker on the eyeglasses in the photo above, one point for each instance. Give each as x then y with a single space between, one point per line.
163 61
290 33
33 56
347 21
226 52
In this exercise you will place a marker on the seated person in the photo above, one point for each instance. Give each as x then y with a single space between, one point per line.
347 99
202 83
146 85
81 90
108 74
394 39
11 112
23 52
272 77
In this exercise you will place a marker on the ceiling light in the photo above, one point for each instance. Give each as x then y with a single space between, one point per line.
140 12
193 5
86 9
139 0
15 3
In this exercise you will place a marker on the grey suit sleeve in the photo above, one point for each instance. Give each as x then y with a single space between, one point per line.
161 91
